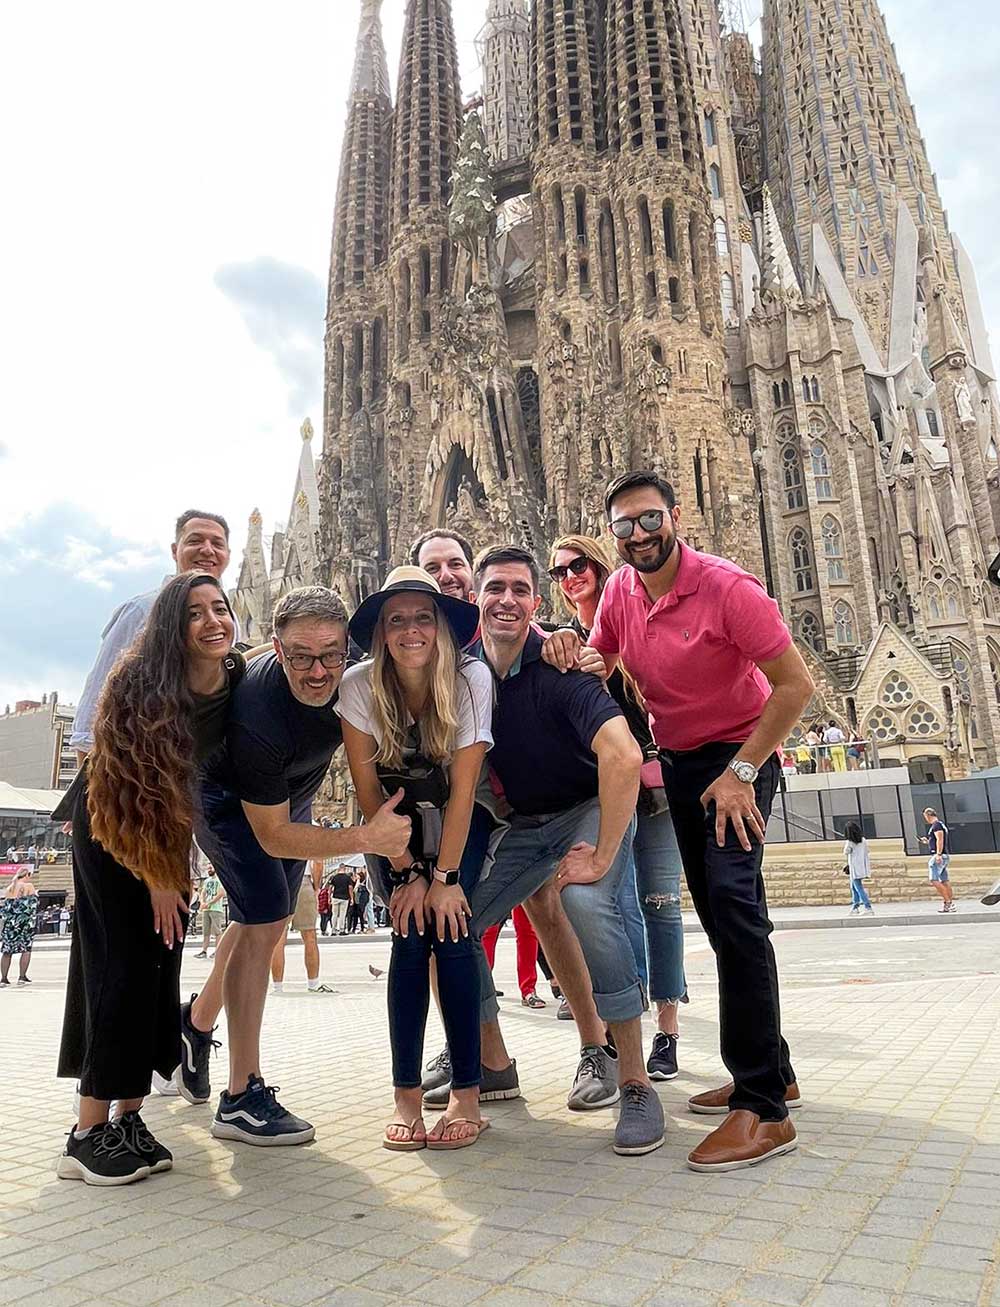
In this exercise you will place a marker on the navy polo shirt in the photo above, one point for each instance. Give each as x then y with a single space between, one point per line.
544 724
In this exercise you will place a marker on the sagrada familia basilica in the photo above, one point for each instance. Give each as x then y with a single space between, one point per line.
636 246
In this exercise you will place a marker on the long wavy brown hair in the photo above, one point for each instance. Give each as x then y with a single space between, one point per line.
140 772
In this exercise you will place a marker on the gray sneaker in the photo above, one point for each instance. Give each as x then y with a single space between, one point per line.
596 1083
640 1121
437 1071
494 1087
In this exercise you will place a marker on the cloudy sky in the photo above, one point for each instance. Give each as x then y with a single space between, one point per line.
171 173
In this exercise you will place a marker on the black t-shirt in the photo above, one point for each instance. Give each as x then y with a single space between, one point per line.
340 886
544 724
932 831
277 748
211 711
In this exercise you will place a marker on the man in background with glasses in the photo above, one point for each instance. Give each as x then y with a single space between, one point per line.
724 685
255 824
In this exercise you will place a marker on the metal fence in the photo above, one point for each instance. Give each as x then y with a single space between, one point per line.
969 808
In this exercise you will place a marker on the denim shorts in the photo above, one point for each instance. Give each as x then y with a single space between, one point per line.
937 869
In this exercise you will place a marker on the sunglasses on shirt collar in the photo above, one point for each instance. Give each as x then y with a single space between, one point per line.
651 520
578 566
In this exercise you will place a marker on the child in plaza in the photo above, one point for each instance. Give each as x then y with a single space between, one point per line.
162 711
417 715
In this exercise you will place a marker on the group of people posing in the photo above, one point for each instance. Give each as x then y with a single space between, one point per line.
498 765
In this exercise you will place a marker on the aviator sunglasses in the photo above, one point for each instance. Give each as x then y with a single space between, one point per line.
578 566
651 520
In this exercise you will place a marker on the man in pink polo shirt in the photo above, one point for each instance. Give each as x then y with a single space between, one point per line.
724 685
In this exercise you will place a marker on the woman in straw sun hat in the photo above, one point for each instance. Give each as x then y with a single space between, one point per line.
417 714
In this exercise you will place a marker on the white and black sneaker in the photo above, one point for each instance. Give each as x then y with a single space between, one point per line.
662 1061
256 1117
102 1157
191 1077
142 1141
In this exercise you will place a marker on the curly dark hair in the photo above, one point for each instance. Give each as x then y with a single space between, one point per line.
141 769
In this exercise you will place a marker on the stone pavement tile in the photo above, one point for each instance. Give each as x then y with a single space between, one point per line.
509 1297
865 1271
251 1278
706 1275
956 1257
213 1295
785 1290
581 1252
952 1286
732 1252
297 1290
900 1227
810 1238
437 1257
355 1266
401 1278
881 1248
452 1291
682 1297
850 1295
799 1262
610 1290
14 1286
642 1265
951 1233
55 1295
553 1278
494 1266
353 1296
610 1232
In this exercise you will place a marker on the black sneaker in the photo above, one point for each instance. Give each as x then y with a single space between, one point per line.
662 1063
142 1141
191 1077
438 1071
256 1117
494 1087
103 1157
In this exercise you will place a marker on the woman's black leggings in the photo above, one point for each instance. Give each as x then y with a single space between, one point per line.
458 985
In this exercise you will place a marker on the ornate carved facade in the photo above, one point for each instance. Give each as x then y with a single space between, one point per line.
627 261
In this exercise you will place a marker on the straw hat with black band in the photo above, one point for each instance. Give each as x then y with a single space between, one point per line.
463 618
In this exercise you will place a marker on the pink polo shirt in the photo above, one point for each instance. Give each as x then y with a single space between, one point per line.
694 652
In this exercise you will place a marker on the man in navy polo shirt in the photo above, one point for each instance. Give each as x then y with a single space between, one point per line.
569 768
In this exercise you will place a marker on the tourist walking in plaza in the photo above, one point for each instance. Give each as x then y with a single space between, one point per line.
213 919
18 916
162 711
938 841
304 923
341 895
858 866
724 685
580 567
417 715
253 819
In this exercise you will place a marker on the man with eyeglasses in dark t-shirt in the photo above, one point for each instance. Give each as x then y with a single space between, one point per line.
255 824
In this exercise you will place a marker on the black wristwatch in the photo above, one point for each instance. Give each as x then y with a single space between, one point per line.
415 871
446 877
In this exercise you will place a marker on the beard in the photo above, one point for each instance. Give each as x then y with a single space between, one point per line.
653 562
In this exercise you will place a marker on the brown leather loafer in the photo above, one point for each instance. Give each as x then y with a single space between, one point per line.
743 1139
715 1102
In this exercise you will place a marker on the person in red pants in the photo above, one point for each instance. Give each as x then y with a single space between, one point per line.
527 956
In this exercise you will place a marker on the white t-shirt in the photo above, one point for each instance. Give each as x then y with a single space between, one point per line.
474 702
833 735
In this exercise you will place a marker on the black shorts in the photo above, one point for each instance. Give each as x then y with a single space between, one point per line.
260 888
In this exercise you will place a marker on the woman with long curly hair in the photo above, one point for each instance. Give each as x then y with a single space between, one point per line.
418 715
580 568
161 714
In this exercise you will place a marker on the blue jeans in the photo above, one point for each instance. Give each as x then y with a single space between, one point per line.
526 859
658 876
628 906
859 895
458 974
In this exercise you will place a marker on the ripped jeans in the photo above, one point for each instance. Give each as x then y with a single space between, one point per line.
658 881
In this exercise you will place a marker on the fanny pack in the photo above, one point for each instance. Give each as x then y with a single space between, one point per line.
425 797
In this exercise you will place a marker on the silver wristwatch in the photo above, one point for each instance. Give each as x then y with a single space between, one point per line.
743 771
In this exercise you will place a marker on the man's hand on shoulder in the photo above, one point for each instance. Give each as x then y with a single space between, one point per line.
590 660
561 649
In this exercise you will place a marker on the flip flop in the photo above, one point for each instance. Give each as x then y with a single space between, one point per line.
447 1145
410 1145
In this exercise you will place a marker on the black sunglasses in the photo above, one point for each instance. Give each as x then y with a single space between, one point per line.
577 567
651 520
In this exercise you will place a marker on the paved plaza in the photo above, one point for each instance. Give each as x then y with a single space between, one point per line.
892 1200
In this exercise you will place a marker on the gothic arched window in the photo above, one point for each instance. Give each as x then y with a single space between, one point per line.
710 134
802 568
715 181
881 725
843 623
776 394
810 632
728 297
821 470
721 238
805 389
952 602
833 549
923 721
791 473
896 690
814 390
935 609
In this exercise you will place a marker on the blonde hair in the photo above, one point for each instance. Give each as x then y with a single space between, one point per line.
438 723
589 548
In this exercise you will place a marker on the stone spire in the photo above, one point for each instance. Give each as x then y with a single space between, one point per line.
567 78
428 114
371 72
505 54
361 217
777 275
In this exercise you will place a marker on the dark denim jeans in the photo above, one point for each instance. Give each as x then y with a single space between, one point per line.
728 892
458 984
